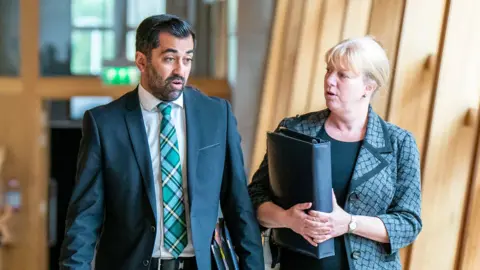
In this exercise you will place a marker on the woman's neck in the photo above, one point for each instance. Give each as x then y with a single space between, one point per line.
347 126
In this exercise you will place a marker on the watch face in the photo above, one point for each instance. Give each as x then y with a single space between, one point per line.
352 226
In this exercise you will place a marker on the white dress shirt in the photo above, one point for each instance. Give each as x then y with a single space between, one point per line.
152 118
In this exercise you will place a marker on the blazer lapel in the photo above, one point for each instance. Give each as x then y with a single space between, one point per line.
197 128
138 138
370 160
192 124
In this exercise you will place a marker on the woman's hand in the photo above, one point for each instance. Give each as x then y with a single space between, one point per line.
322 226
296 219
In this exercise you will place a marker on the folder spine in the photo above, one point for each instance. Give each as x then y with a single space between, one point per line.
322 185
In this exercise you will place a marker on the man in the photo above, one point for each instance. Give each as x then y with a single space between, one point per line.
154 166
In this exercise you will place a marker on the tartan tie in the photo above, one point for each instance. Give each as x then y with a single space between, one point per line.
174 222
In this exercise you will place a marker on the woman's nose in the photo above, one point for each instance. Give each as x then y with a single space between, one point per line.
331 79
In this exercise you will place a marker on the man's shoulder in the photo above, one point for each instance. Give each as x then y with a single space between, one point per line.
113 108
204 99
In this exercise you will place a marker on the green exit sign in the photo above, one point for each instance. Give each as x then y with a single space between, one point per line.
120 75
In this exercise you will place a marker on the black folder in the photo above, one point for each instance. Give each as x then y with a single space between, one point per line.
222 247
299 168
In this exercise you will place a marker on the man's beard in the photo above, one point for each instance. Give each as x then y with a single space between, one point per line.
162 89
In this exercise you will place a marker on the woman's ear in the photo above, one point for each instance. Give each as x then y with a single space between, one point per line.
370 87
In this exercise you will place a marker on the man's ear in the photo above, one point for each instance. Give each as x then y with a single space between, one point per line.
141 61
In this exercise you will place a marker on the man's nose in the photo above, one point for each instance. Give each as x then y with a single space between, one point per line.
179 68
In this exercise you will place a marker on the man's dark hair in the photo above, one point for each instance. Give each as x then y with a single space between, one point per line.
149 29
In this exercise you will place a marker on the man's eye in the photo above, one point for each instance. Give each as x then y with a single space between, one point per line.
169 59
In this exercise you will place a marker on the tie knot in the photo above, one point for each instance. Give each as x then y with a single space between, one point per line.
165 108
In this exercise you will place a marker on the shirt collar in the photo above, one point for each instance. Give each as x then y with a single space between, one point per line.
150 102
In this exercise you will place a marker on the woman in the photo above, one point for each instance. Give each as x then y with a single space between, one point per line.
375 171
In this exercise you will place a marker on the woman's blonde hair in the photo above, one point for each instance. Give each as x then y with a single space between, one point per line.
362 55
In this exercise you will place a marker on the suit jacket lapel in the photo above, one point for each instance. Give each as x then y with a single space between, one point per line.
199 124
370 160
193 127
138 138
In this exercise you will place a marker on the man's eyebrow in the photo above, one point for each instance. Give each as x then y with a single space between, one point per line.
170 50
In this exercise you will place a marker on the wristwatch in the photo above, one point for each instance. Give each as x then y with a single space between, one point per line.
352 225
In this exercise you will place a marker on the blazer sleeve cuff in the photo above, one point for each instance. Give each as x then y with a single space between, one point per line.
401 232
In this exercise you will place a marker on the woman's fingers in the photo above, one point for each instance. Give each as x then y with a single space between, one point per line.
318 229
310 240
317 224
321 239
303 206
318 216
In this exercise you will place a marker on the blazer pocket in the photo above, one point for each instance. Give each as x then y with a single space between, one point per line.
209 146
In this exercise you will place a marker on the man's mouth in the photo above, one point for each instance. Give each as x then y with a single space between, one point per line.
177 82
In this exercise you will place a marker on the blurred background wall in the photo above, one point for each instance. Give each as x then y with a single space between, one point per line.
266 57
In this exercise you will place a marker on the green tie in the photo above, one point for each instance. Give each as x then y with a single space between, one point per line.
174 222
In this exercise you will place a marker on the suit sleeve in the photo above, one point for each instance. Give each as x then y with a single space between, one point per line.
259 188
86 208
403 220
236 205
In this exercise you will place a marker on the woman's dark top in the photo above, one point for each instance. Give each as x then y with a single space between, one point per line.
344 156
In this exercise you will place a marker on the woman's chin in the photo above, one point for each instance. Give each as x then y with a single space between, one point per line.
331 104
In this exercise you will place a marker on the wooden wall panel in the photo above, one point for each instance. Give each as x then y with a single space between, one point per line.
289 54
304 61
21 114
220 45
179 8
414 79
296 64
329 33
27 107
10 85
385 25
469 255
357 18
450 152
269 91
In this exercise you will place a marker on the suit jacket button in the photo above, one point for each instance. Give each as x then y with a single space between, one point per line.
146 262
356 255
152 228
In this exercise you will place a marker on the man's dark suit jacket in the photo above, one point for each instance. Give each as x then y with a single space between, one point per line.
114 200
